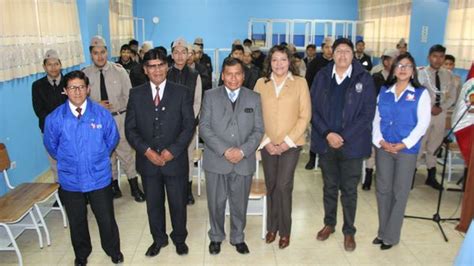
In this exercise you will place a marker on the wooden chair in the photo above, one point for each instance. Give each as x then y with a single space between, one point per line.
41 193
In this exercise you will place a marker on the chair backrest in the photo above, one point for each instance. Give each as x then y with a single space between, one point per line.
4 159
5 164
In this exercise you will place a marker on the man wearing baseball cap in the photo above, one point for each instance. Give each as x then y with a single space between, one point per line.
110 86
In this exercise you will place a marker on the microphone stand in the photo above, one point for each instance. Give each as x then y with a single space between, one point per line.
436 217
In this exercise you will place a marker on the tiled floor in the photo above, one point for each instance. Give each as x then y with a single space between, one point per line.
421 241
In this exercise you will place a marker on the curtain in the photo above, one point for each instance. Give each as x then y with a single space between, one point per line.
29 28
384 23
121 24
459 36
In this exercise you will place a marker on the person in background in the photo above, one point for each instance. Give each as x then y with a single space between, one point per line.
81 135
231 126
203 58
379 80
401 119
247 60
134 47
125 58
310 54
363 58
258 56
248 43
110 86
47 94
440 85
450 64
343 101
250 76
314 67
286 108
201 69
402 46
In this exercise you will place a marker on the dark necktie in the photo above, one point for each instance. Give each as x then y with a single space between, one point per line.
79 110
438 89
103 89
157 97
55 86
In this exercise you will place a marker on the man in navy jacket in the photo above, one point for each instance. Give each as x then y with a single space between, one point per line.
343 102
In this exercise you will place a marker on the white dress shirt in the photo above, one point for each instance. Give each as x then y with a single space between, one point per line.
346 74
162 89
423 114
73 108
237 91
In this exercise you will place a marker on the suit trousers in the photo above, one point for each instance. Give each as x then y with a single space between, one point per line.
279 171
236 189
394 178
123 152
176 192
432 139
340 173
101 202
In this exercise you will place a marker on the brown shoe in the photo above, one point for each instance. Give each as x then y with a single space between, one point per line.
324 233
349 243
284 242
270 237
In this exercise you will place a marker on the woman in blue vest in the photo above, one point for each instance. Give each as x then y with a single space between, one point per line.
401 119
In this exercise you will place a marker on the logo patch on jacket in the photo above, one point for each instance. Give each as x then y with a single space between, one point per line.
359 87
96 126
410 97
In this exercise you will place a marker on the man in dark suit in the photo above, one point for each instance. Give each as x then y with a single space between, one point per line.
160 124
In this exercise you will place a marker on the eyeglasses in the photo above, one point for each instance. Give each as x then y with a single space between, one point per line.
156 66
403 67
80 88
343 51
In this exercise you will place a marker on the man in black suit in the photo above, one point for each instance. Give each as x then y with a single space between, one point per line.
160 124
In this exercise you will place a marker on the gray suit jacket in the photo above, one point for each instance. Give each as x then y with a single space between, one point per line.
221 128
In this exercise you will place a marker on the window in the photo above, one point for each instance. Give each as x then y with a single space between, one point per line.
459 36
29 28
121 24
386 22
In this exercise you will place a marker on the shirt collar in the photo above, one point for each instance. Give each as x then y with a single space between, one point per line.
161 85
408 88
288 76
50 79
348 72
105 67
73 108
237 91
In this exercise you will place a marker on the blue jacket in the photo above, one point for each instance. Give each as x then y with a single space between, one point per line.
82 146
358 113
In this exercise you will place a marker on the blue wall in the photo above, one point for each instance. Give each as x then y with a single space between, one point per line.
431 13
18 123
220 22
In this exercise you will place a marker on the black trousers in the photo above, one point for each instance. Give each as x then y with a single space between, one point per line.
340 173
176 192
279 173
101 202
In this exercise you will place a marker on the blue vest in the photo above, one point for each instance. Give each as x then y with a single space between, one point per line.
398 119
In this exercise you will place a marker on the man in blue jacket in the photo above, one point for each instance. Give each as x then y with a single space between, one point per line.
81 135
343 102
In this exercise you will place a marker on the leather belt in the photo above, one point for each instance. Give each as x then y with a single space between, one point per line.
118 113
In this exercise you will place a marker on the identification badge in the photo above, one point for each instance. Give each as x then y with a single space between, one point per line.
410 97
359 87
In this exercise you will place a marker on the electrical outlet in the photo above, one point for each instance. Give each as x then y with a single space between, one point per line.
13 165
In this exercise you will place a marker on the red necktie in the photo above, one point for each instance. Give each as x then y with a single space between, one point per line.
157 97
79 109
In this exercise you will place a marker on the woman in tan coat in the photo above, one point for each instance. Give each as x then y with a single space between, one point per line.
286 107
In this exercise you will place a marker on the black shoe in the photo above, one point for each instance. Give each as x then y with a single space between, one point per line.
80 262
116 189
312 161
154 249
431 180
377 241
118 258
214 248
182 249
385 247
368 178
137 194
241 248
190 193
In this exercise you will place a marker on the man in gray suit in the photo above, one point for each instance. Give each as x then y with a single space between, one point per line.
231 126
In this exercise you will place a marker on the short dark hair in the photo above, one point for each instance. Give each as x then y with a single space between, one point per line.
125 47
92 47
230 61
237 47
342 41
133 42
46 60
450 57
76 74
360 41
437 48
247 41
392 79
310 46
154 54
